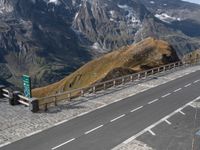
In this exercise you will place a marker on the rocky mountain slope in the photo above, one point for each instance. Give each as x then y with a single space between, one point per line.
49 39
146 54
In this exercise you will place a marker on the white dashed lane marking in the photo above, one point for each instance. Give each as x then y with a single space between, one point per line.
63 144
93 129
136 109
188 85
149 129
166 95
153 101
177 90
196 81
117 118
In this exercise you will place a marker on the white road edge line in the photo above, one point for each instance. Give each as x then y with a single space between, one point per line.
188 85
117 118
169 123
166 95
63 144
136 109
30 134
153 101
93 129
158 122
2 145
150 131
177 90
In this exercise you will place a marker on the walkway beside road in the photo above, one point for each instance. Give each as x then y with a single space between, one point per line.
18 123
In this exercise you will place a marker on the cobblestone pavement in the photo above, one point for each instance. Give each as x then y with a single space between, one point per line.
133 145
18 122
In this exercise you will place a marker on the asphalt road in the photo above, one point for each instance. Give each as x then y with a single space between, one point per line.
109 126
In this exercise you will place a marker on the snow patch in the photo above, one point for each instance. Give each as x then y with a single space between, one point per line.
192 1
96 46
152 2
166 18
56 2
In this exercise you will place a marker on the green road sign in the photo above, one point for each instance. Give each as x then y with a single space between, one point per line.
27 86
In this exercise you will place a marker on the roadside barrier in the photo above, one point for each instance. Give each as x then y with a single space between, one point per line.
53 100
16 98
36 104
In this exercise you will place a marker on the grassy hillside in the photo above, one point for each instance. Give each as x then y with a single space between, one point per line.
143 55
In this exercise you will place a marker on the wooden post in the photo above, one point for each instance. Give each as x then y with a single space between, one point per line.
94 89
55 101
114 83
131 78
138 76
69 96
104 86
82 92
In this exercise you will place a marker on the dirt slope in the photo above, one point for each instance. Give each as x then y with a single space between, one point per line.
143 55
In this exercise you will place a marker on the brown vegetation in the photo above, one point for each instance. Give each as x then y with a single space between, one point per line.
137 57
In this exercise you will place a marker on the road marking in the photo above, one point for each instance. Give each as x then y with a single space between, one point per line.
93 129
117 118
182 112
188 85
166 95
136 109
63 144
153 101
159 121
150 131
30 134
59 123
169 123
177 90
196 81
2 145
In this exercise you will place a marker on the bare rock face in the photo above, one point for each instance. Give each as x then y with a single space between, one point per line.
48 39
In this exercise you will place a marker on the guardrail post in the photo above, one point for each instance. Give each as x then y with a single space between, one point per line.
94 89
69 96
14 97
1 90
138 76
145 75
114 83
55 101
123 81
164 68
82 92
131 78
104 86
34 105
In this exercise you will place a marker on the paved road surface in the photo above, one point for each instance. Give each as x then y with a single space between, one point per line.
107 127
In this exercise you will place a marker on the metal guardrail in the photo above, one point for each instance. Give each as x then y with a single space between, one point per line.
16 98
53 100
35 104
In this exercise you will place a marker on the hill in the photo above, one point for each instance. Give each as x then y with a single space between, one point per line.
146 54
38 36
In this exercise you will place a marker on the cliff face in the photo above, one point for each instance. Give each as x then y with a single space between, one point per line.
126 60
36 38
50 39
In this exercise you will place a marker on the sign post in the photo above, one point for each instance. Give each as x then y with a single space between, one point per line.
27 86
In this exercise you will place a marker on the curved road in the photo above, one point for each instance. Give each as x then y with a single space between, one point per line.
109 126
